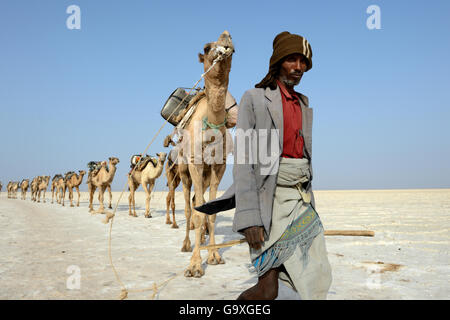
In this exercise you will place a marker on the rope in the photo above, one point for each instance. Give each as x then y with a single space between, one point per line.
216 127
110 216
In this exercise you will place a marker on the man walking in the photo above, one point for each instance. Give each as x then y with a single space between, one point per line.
275 207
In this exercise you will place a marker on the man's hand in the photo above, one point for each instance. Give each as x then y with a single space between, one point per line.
254 236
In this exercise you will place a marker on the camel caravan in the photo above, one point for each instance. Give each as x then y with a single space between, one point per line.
201 121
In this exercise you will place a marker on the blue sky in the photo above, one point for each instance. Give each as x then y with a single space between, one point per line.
380 97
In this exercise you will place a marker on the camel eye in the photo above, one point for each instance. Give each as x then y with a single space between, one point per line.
207 48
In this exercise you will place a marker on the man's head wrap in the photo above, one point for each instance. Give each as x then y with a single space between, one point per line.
286 43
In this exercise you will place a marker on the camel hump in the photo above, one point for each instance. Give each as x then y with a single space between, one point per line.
146 160
94 168
92 165
68 175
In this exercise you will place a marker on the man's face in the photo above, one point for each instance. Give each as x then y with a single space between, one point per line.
292 69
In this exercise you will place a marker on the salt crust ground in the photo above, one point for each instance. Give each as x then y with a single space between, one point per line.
407 259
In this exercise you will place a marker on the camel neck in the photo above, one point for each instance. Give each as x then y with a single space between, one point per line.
215 97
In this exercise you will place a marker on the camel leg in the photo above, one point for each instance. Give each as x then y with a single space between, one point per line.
195 267
131 200
43 197
78 191
170 182
71 196
168 202
101 197
53 194
148 191
172 203
39 196
63 192
217 172
187 184
205 229
91 188
136 186
110 197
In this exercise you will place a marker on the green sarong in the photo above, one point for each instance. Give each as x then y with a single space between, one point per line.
295 223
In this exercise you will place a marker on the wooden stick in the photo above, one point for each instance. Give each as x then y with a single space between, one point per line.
356 233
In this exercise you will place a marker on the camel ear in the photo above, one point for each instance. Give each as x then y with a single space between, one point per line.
157 154
201 58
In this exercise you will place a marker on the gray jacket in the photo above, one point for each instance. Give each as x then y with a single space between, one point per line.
253 188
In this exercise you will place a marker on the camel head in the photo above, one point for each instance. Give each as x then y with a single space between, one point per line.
161 157
81 172
113 160
223 49
168 141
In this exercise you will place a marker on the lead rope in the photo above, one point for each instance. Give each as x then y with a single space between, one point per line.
110 216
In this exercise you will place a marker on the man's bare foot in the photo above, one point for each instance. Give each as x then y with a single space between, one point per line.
265 289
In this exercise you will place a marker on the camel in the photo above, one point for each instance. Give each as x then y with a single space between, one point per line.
34 187
145 176
60 187
74 181
42 187
24 186
12 187
1 186
9 189
94 166
54 186
200 169
102 180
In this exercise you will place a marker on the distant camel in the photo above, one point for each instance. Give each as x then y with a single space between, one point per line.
9 189
74 181
24 186
60 187
54 186
34 187
101 179
12 189
145 175
42 187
